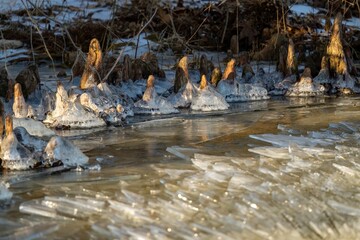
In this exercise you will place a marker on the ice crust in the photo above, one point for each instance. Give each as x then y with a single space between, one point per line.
303 186
234 91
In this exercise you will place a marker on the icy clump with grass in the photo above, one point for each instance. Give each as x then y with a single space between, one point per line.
208 99
69 112
15 155
152 103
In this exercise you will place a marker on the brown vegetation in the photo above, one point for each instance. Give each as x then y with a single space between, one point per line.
229 73
203 82
91 74
181 74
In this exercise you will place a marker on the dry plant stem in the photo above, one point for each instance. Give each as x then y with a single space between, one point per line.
181 74
334 51
291 63
8 125
149 88
196 30
92 65
226 24
237 24
5 64
215 76
203 82
1 119
60 24
229 73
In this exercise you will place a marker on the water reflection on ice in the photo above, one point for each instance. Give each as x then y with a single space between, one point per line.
289 179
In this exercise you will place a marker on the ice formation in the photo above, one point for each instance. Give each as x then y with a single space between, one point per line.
60 149
207 98
152 103
69 112
19 150
14 154
281 85
183 98
305 87
233 91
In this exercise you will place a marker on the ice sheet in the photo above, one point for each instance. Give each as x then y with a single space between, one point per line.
294 182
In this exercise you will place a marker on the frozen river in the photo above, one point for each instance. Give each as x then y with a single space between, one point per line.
263 170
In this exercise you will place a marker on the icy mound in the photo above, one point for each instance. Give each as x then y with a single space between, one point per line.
16 156
341 82
60 149
237 92
184 97
208 99
69 113
305 88
155 105
75 116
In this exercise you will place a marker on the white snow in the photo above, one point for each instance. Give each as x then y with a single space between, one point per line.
303 9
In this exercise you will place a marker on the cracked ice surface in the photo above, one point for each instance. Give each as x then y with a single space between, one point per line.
304 185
